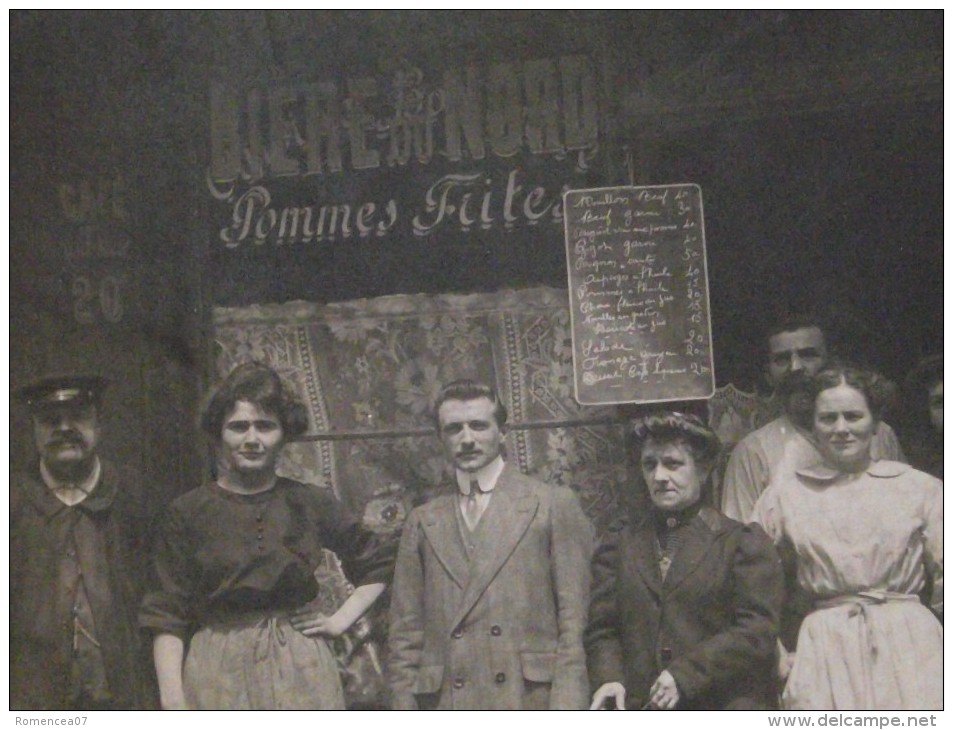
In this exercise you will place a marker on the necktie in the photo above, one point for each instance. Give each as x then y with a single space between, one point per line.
69 494
472 511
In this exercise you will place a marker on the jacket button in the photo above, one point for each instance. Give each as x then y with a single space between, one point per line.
457 633
666 654
500 677
458 683
496 630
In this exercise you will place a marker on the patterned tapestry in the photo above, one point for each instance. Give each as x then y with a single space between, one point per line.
369 370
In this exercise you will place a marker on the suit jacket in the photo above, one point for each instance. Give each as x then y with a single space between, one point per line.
502 627
712 623
110 531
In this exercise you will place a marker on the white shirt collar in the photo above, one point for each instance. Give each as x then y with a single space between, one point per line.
826 473
67 492
486 477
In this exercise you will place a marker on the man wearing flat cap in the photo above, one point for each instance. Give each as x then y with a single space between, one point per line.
77 549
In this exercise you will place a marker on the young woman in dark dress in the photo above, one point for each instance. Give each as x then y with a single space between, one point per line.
235 567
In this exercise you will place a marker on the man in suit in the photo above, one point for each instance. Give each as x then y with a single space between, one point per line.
797 350
491 589
77 549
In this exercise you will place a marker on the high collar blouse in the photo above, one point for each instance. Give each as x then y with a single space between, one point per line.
880 529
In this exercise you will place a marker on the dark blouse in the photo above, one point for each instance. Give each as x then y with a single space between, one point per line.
220 554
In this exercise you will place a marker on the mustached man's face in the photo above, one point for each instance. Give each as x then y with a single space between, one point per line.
802 350
66 437
469 432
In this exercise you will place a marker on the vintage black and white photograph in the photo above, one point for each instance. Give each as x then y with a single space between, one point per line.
476 360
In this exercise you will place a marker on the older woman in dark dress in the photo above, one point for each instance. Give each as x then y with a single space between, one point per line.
685 601
235 565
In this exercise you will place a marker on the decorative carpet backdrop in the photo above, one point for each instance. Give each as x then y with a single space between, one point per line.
368 371
374 367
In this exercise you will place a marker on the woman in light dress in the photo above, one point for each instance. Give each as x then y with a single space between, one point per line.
868 536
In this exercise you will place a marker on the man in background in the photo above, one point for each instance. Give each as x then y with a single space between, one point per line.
77 549
797 350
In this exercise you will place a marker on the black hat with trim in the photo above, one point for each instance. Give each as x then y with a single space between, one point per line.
64 390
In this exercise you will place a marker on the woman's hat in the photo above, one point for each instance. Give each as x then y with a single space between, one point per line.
666 424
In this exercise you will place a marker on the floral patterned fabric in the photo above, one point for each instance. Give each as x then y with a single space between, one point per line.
375 366
369 370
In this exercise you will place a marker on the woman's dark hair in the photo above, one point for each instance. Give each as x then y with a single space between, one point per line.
672 426
878 391
258 384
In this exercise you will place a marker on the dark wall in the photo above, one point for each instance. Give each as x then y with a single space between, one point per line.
836 212
816 139
103 215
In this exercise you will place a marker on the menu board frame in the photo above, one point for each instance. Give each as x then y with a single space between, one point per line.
631 282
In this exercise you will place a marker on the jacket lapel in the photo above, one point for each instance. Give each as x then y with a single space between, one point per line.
508 516
439 524
646 557
694 546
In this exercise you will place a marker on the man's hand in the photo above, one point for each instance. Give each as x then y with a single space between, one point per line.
610 690
664 693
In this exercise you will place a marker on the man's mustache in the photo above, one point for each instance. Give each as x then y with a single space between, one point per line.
70 438
797 381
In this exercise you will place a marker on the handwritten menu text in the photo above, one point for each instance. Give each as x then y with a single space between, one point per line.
638 291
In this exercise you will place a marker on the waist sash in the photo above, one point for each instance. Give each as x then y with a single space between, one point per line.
861 602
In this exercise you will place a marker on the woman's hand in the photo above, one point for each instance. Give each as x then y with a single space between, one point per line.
313 623
177 703
664 693
610 690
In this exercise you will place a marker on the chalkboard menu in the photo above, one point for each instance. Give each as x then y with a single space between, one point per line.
638 294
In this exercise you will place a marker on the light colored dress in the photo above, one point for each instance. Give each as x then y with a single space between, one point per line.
867 546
